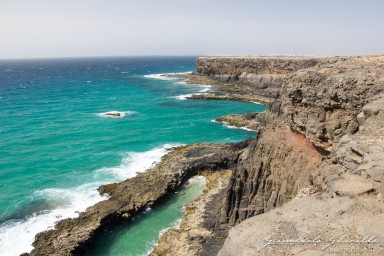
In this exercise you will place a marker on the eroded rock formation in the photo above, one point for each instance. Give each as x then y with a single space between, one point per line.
127 198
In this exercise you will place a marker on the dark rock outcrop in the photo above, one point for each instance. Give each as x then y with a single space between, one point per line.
127 198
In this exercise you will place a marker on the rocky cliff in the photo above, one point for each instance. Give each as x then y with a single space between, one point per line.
315 138
262 76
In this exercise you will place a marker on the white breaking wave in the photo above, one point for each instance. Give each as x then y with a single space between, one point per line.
160 76
185 96
197 179
205 88
233 127
136 162
166 76
72 201
241 128
116 114
182 96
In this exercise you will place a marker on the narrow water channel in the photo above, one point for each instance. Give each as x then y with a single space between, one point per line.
139 236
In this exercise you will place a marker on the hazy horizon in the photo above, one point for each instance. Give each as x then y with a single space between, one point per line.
118 28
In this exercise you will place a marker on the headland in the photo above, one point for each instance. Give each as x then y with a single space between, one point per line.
315 170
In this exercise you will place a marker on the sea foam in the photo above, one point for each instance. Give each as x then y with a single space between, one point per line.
116 114
160 77
205 88
182 96
166 76
71 201
136 162
225 124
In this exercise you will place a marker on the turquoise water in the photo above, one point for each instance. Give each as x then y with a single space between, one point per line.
139 236
57 145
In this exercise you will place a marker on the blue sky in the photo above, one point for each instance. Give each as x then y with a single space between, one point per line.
70 28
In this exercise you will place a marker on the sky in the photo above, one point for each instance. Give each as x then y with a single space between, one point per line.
80 28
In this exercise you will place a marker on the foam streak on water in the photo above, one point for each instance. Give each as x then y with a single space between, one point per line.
166 76
136 162
227 125
71 201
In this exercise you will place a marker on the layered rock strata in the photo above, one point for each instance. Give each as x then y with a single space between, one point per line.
323 138
261 76
317 160
342 207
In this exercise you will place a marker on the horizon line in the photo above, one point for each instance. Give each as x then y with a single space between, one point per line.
187 55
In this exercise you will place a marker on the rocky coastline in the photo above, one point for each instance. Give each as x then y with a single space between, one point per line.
316 167
131 197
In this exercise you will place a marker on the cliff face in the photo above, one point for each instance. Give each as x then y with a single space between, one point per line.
269 173
323 101
263 76
343 200
315 135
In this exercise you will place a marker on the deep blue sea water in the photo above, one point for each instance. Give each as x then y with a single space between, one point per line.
57 145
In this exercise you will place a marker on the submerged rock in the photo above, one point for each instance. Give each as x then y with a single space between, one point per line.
116 114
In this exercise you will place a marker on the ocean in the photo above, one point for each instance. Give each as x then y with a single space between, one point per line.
57 143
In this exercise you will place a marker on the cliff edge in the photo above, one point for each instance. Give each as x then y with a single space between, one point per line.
312 183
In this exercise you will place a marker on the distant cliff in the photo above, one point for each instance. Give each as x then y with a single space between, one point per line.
261 76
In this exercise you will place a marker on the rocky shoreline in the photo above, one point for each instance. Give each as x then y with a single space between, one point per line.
130 197
316 167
